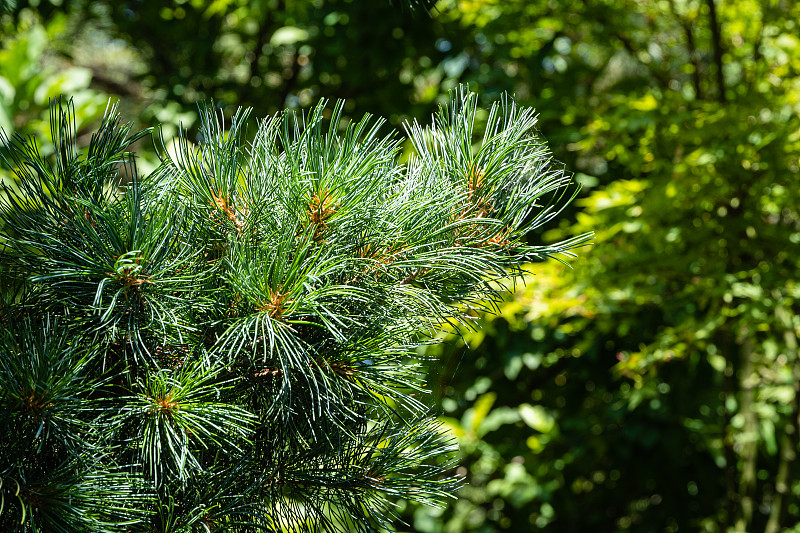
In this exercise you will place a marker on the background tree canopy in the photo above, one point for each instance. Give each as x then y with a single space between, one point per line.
653 387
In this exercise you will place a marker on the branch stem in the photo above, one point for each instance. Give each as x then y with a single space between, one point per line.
716 39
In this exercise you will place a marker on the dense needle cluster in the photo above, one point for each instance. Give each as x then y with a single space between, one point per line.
228 343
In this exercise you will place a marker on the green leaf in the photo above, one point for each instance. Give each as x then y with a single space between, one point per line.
536 417
288 35
67 81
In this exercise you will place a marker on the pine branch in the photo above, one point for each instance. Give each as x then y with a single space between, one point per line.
231 340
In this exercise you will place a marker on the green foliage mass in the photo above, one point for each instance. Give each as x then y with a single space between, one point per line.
653 387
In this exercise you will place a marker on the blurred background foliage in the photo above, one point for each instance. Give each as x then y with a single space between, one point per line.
653 386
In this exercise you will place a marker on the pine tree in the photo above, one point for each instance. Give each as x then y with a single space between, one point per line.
228 343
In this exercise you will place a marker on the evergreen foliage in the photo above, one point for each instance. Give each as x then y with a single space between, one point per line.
228 343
